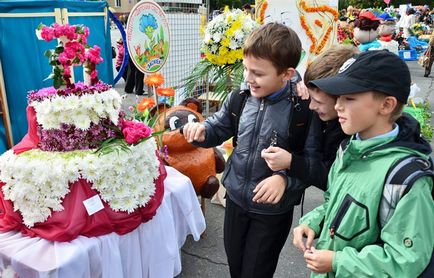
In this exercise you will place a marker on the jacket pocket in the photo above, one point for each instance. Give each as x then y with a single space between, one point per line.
351 220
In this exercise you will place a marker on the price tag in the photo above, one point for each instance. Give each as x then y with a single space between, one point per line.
93 204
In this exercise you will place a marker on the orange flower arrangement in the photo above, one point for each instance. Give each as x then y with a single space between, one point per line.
155 80
166 92
323 9
309 33
324 40
146 103
261 12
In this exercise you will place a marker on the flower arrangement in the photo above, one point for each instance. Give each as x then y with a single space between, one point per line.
223 52
78 110
345 36
262 7
225 35
71 50
36 192
418 29
317 46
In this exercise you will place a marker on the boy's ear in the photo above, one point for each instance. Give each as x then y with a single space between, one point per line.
289 73
388 106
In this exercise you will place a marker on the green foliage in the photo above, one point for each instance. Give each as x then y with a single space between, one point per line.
422 113
224 78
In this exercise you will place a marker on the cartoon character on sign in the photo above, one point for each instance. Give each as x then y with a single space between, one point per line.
148 36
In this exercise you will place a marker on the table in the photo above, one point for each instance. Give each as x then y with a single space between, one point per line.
151 250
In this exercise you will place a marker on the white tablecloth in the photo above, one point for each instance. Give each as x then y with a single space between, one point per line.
151 250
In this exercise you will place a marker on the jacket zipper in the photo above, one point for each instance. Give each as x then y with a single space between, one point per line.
258 124
339 216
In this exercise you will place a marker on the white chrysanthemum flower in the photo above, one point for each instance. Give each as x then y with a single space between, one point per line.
58 103
82 122
98 108
72 102
87 101
233 45
217 37
66 118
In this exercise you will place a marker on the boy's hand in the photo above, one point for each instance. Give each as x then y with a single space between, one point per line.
301 90
319 261
300 232
270 190
194 132
277 158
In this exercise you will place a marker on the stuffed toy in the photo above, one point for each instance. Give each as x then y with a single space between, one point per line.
365 31
386 31
199 164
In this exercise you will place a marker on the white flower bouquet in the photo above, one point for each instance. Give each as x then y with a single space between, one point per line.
222 47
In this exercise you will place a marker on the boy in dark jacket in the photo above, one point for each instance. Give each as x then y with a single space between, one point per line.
259 203
325 134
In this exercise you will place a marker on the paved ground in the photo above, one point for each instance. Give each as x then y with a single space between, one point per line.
206 258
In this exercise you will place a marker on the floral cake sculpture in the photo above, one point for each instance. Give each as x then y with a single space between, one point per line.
82 169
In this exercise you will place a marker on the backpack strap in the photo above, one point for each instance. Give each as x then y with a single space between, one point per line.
236 105
399 180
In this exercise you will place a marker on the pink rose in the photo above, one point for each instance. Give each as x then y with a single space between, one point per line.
134 131
47 34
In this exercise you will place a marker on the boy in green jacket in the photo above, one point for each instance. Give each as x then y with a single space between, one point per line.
372 89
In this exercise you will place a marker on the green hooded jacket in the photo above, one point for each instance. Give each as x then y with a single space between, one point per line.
347 222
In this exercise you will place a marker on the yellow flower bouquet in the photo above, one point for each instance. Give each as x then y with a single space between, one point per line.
222 47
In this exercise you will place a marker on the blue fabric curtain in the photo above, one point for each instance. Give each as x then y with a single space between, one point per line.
22 55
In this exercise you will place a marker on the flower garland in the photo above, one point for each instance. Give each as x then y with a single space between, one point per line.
80 111
324 40
225 35
314 48
71 50
261 12
36 191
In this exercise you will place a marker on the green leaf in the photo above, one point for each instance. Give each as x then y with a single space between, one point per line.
48 53
59 49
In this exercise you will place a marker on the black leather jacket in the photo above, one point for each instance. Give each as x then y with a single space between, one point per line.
260 119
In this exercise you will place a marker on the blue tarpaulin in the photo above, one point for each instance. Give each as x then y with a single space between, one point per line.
22 55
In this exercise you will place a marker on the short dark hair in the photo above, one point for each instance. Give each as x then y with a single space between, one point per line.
274 42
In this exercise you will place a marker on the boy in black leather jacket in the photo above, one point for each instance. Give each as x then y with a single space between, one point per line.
259 205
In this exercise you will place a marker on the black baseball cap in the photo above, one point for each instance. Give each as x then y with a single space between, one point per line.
375 70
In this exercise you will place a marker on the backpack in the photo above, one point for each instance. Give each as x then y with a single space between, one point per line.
298 126
399 180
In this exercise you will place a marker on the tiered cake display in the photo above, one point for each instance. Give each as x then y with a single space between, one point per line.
68 176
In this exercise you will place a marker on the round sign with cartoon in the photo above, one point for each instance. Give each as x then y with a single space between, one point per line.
148 36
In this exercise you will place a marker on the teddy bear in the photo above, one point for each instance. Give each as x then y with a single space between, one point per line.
199 164
365 31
